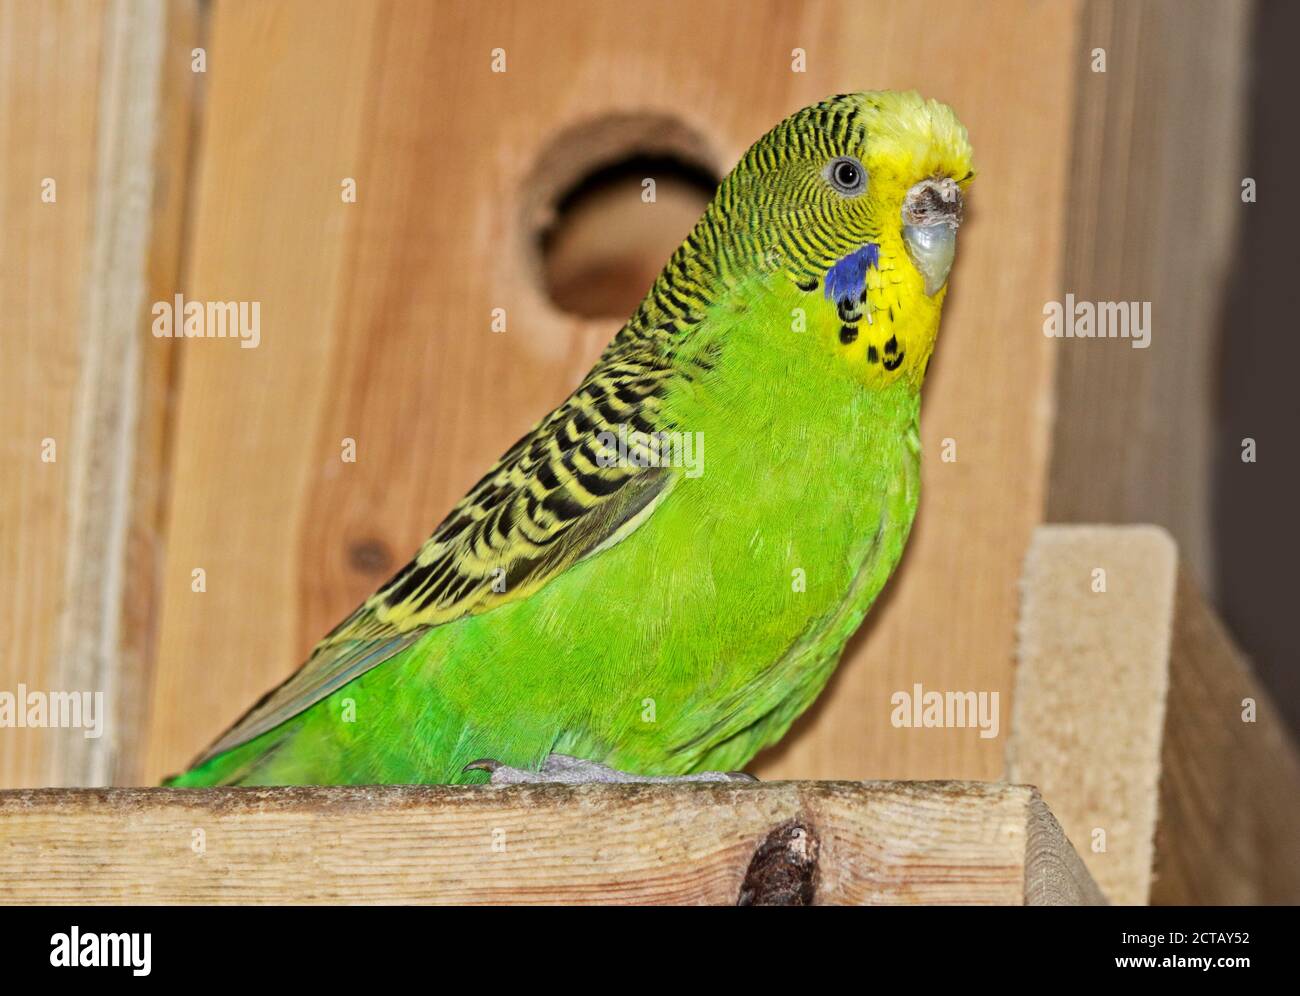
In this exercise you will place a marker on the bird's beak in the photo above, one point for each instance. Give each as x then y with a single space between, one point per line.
931 217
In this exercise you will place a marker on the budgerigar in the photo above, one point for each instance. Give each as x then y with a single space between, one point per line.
611 600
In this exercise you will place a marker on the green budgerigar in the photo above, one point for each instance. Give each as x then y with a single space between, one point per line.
661 575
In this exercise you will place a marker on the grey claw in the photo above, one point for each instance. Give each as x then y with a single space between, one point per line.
482 764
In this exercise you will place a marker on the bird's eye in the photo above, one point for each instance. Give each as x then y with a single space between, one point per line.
847 176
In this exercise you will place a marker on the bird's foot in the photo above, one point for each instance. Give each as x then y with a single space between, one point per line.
575 771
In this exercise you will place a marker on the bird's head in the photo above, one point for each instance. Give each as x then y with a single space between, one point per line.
857 201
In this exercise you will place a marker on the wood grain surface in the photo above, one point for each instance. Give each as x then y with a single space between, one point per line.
1135 442
51 67
1092 678
872 843
1229 829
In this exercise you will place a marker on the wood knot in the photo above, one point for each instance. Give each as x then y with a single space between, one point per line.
370 556
783 871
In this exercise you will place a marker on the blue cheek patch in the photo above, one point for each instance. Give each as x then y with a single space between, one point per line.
847 278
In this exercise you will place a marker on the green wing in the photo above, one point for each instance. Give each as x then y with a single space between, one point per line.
543 506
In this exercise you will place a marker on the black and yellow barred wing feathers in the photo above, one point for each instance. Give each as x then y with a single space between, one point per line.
559 494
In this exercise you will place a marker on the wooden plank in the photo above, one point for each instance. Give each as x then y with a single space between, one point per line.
1229 830
180 106
377 316
108 390
1134 438
48 101
873 843
78 87
83 105
1137 716
1088 716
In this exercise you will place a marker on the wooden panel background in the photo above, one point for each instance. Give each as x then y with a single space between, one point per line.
49 90
1139 444
375 326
